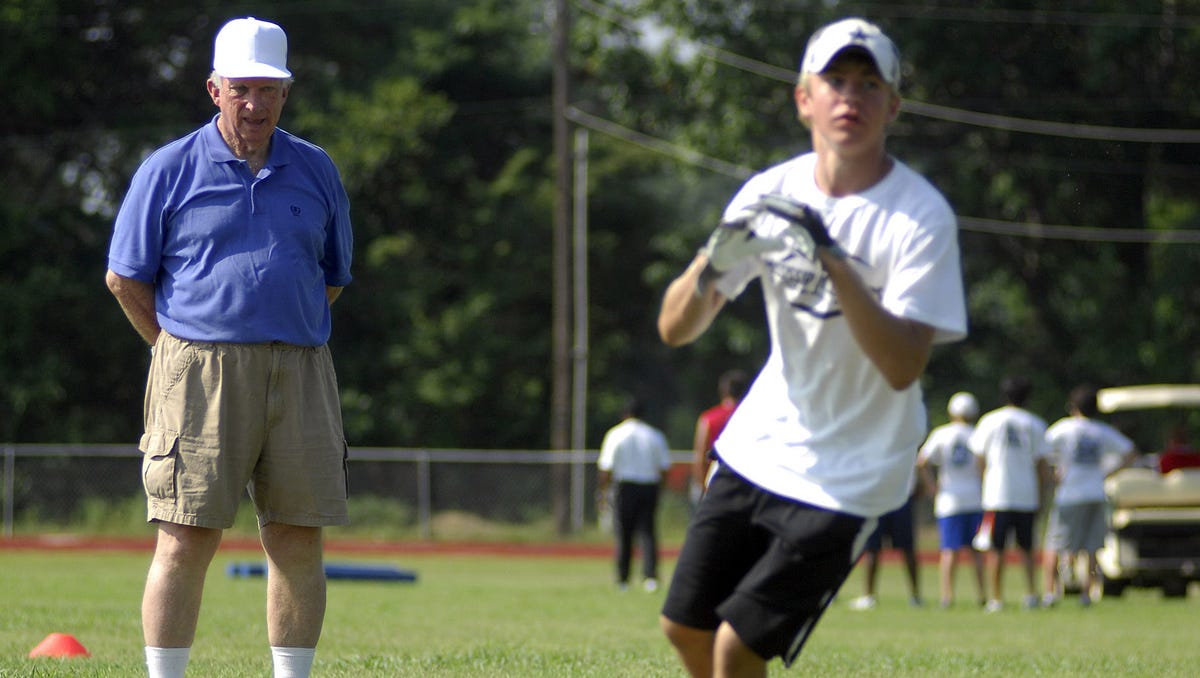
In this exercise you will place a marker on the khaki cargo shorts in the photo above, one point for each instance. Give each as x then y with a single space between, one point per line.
223 419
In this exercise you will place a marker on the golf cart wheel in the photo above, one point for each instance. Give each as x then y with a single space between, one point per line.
1113 587
1175 588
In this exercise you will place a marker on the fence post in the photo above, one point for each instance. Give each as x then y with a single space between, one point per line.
424 496
10 461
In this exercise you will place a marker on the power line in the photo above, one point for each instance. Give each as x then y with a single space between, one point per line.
972 224
687 155
1057 129
924 109
1078 233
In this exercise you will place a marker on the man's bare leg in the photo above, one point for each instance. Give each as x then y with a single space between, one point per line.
295 584
733 659
694 646
175 584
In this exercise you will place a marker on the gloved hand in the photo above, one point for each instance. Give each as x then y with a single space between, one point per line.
806 228
732 242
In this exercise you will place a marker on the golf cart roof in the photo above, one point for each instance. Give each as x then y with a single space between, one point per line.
1121 398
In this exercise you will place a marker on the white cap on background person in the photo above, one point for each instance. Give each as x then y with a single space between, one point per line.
250 48
963 405
829 40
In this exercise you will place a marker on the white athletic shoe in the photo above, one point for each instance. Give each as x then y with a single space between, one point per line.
651 585
993 606
863 603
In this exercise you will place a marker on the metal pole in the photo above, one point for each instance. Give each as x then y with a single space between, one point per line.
424 496
560 335
10 462
580 353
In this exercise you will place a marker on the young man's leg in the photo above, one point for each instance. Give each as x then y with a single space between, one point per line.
734 659
980 585
1023 529
624 525
994 559
869 560
903 535
946 563
694 646
649 538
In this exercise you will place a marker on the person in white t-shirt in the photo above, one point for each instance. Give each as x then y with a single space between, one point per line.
1083 451
1010 443
634 457
958 504
858 260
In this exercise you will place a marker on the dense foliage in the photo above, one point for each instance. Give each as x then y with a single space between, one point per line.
439 116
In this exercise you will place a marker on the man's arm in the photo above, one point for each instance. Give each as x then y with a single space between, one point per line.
686 314
137 301
332 293
700 461
898 347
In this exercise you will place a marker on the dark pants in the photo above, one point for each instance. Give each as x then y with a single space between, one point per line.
636 506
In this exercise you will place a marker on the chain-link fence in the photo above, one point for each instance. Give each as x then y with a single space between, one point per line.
417 493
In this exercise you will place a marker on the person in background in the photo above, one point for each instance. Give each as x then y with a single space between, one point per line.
634 457
858 262
1178 452
228 250
731 386
1010 443
1083 451
897 527
945 462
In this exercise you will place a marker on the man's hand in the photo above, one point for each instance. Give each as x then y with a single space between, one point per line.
732 242
807 228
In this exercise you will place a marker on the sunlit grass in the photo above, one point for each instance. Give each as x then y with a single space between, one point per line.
532 617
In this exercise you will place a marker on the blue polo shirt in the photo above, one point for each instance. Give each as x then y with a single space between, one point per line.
236 258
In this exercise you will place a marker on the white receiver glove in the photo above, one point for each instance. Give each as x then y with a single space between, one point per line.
732 242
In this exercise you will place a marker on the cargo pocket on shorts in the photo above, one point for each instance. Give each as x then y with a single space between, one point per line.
160 451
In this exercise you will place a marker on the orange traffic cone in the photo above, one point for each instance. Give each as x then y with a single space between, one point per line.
59 645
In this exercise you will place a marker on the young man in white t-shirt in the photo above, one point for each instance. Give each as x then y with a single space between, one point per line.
1010 443
945 462
859 285
634 458
1083 452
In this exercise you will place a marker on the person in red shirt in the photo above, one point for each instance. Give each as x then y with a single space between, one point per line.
731 386
1178 453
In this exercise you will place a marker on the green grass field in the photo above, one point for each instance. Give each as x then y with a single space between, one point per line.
530 617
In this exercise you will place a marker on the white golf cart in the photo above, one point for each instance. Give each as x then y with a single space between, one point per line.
1153 538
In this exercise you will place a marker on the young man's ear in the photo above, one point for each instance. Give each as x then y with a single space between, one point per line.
801 97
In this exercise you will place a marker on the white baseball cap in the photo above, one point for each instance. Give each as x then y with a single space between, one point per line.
825 44
963 404
250 48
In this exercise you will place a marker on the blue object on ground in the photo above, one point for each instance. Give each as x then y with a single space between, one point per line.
333 571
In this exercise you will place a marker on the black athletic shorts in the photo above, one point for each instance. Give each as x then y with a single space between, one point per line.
1020 523
766 564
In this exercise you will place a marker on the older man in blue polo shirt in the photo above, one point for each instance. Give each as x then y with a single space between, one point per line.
229 249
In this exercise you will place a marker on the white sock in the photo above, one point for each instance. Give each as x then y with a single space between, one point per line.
292 662
166 662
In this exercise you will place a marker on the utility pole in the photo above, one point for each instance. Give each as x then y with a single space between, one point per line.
560 394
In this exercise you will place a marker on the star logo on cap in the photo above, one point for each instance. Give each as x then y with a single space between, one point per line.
858 35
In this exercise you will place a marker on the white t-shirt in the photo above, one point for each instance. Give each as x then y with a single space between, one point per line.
1010 440
1084 451
959 485
820 424
635 452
